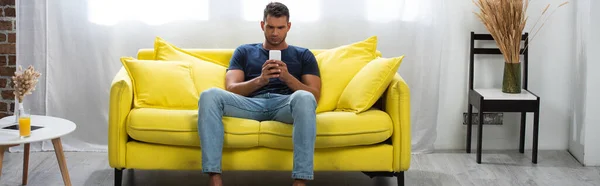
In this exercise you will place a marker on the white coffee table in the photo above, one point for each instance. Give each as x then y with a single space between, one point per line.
53 129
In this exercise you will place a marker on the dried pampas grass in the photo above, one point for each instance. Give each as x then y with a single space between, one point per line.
24 82
506 20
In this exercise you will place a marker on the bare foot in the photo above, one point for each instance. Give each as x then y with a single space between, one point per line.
299 183
215 180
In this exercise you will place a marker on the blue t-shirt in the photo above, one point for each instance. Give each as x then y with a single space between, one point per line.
251 57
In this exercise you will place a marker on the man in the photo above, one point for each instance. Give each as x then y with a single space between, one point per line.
263 89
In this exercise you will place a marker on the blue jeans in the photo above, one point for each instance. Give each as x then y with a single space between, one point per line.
297 109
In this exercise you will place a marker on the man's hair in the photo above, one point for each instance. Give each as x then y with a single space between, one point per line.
276 9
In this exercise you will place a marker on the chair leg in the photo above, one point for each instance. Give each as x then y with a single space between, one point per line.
118 177
400 177
522 136
536 125
479 137
469 125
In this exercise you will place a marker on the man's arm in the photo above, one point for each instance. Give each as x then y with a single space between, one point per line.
234 80
310 83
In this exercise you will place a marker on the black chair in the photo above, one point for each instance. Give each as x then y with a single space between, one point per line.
494 100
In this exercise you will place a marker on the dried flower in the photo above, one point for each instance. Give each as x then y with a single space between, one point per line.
24 82
505 20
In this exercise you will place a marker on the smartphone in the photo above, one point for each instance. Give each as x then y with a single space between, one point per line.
275 54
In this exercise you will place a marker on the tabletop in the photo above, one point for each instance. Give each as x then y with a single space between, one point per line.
52 127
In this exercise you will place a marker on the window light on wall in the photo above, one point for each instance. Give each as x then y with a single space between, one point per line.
393 10
152 12
300 10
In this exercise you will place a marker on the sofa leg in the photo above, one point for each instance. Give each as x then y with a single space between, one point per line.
370 174
400 177
379 174
118 177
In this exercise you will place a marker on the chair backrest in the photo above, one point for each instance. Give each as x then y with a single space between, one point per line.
488 37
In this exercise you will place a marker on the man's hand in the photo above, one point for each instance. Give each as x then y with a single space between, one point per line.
269 70
284 74
310 83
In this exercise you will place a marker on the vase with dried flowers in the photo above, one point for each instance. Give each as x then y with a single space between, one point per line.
24 82
506 20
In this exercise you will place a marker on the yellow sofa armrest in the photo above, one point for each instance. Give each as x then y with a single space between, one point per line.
121 99
396 102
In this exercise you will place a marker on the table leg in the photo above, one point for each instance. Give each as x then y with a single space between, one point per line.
25 163
60 156
2 149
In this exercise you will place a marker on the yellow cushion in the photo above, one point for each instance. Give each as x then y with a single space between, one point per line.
207 73
161 85
334 129
164 50
368 84
338 66
180 127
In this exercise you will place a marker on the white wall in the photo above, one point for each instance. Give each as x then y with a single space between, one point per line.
586 106
592 120
578 105
551 57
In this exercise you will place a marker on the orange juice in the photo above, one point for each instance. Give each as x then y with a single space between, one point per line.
25 126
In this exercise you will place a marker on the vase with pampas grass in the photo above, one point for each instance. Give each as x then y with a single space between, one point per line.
506 20
24 82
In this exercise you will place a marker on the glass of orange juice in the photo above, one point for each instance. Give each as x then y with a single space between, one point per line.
25 124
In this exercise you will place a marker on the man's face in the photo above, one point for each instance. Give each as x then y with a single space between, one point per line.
275 29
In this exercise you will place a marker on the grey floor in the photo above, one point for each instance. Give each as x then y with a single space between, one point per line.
440 168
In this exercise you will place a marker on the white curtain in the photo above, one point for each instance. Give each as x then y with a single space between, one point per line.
77 44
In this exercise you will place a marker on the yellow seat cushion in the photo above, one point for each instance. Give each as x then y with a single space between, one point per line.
179 127
338 66
368 85
334 129
157 84
207 73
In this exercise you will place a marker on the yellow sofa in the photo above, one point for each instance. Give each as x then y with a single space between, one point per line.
376 142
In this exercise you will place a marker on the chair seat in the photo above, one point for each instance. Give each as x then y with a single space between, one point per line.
334 129
494 100
497 94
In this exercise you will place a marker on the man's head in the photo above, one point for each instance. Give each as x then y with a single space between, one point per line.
276 23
